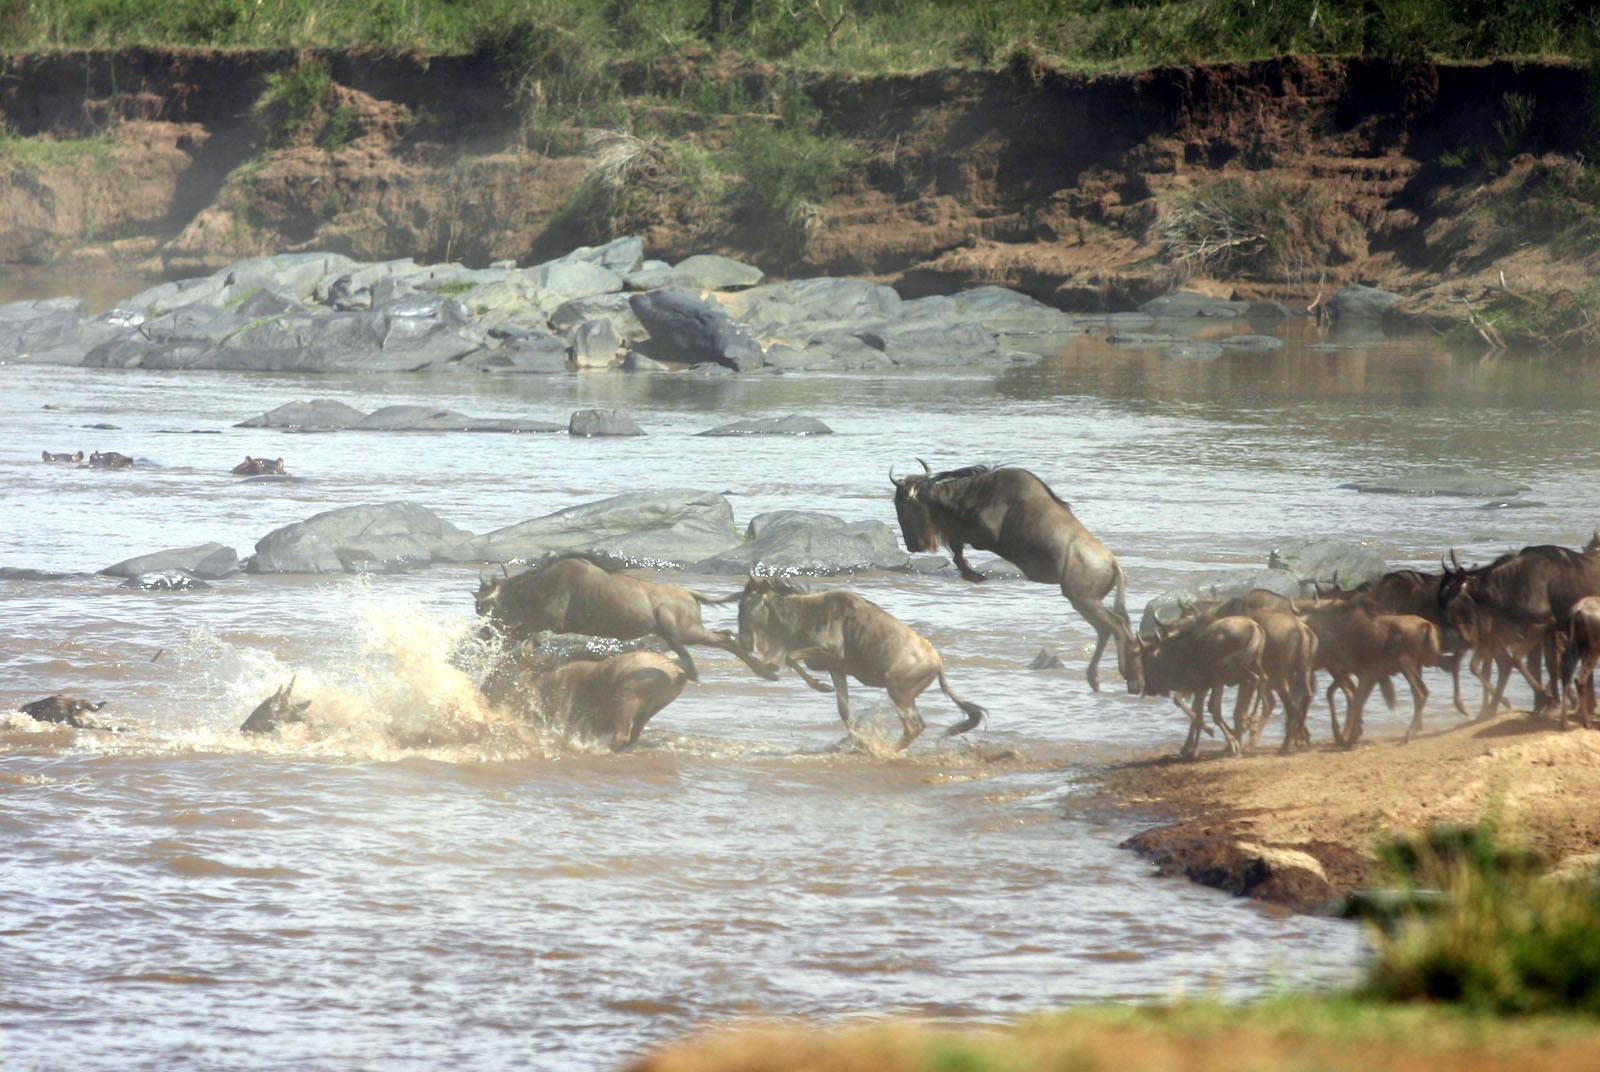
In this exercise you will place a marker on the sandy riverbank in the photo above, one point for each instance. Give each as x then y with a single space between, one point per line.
1300 830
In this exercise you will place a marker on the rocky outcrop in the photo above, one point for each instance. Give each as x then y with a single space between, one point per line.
380 538
667 527
793 425
792 542
206 560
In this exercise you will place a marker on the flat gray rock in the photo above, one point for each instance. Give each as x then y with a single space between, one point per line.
1321 562
1357 302
1183 304
206 560
1190 350
671 526
379 538
320 414
587 423
1441 480
23 573
325 415
793 424
1252 344
790 542
703 271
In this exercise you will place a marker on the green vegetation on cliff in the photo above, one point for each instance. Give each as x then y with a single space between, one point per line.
865 35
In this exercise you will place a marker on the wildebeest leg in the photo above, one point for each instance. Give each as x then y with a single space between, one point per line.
721 638
798 667
1585 683
1229 739
905 705
841 697
1105 625
1354 723
1191 743
1342 683
958 555
684 659
1452 664
1419 697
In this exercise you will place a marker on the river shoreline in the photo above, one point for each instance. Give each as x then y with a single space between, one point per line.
1302 830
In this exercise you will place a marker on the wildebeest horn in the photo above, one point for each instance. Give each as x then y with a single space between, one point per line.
505 571
925 468
1454 561
892 480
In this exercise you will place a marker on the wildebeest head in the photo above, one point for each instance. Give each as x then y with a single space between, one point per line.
758 616
276 710
487 598
917 526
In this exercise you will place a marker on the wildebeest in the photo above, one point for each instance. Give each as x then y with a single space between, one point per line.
609 698
61 710
1199 660
1409 591
1015 515
276 710
63 457
109 460
1517 604
1359 649
1578 658
259 467
846 635
573 595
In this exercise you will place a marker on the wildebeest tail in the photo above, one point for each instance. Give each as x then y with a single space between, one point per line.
974 713
1121 604
701 597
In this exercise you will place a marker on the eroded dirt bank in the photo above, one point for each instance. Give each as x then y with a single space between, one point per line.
1429 180
1301 830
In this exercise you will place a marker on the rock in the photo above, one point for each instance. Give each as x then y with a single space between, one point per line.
22 573
1190 350
166 580
634 361
1441 480
573 279
1149 340
621 255
668 526
318 415
802 542
1357 302
1266 310
686 329
595 344
812 301
602 422
998 309
792 424
1254 344
1326 563
207 560
1214 587
703 271
532 352
925 345
1183 304
612 307
380 538
1046 660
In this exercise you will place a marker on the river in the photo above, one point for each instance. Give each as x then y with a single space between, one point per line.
178 896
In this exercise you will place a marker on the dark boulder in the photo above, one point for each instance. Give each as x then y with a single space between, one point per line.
686 329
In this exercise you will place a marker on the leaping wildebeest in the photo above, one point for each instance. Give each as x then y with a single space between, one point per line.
573 595
1015 515
846 635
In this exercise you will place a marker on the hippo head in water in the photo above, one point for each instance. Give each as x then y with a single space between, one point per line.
276 710
50 456
260 467
110 460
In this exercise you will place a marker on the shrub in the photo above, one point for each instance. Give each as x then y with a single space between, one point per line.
291 98
1499 937
1258 227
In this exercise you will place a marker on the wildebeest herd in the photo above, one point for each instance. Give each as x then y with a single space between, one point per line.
1535 611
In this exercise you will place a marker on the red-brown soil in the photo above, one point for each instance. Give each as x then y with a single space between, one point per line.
1027 177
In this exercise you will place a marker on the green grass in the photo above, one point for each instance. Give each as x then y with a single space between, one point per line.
18 153
855 35
293 95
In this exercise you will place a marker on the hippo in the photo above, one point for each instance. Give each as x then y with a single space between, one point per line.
63 457
62 710
276 710
260 467
110 460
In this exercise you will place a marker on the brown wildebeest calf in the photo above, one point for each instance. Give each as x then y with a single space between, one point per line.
573 595
1359 649
1579 658
846 635
610 698
62 710
260 467
1201 659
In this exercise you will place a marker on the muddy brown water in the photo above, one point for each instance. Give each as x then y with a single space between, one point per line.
176 896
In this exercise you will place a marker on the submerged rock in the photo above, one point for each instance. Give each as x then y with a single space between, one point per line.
1182 304
602 422
206 560
792 424
166 580
1441 480
1357 302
